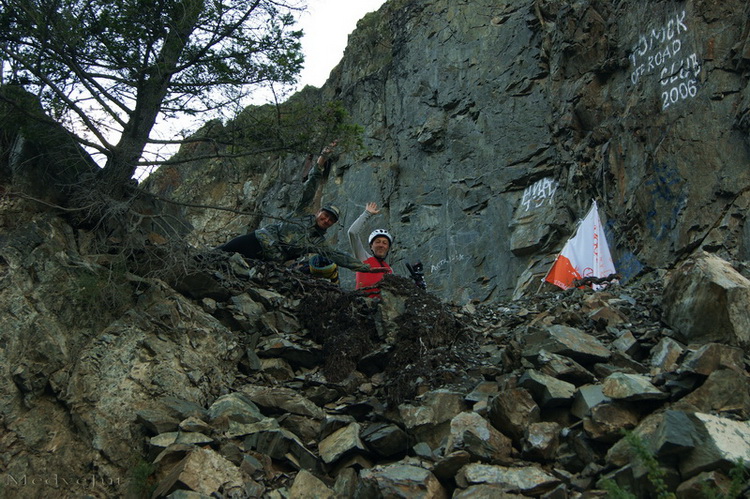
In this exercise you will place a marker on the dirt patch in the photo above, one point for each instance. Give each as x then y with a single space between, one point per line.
410 336
428 338
349 327
343 323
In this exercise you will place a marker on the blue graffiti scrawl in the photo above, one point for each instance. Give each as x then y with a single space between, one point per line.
626 263
628 266
667 199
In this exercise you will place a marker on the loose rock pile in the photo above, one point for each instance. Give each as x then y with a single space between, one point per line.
341 396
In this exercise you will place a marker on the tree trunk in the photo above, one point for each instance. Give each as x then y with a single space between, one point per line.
152 90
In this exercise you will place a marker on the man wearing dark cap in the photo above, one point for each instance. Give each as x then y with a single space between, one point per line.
298 236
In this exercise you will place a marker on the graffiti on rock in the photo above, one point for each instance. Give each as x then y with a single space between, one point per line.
537 194
661 53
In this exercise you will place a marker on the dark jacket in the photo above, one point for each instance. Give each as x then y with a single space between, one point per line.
299 235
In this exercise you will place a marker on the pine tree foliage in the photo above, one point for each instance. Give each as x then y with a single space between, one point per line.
108 69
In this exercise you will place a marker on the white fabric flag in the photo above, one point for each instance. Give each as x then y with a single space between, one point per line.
586 254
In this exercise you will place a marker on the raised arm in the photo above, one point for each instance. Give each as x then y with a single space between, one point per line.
355 232
313 180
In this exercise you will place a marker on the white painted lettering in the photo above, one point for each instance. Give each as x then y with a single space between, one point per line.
658 53
537 194
643 44
681 26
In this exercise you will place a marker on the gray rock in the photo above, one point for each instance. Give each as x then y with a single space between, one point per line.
115 373
400 480
568 341
252 361
298 352
634 478
448 465
235 407
527 480
421 449
270 439
512 410
627 344
674 435
250 464
157 421
268 298
712 357
482 392
253 489
547 391
248 307
563 368
164 440
725 390
472 433
621 453
340 443
670 435
308 486
278 369
665 356
203 471
280 399
183 409
385 440
607 421
706 300
541 441
485 491
585 398
333 422
559 492
172 454
280 322
232 451
430 421
631 387
695 487
321 395
351 461
346 483
195 425
724 443
236 429
187 494
392 306
530 224
306 428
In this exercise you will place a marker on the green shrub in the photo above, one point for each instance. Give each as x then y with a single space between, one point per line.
141 482
103 293
656 476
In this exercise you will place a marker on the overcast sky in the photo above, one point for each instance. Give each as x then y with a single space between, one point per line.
327 25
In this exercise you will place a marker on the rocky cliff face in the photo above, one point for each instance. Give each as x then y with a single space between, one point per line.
493 125
243 379
490 126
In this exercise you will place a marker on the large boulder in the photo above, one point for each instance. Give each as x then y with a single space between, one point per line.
706 300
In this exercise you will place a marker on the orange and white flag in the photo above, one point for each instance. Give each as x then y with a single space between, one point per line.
586 254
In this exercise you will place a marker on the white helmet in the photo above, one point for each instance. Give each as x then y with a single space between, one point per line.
377 233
